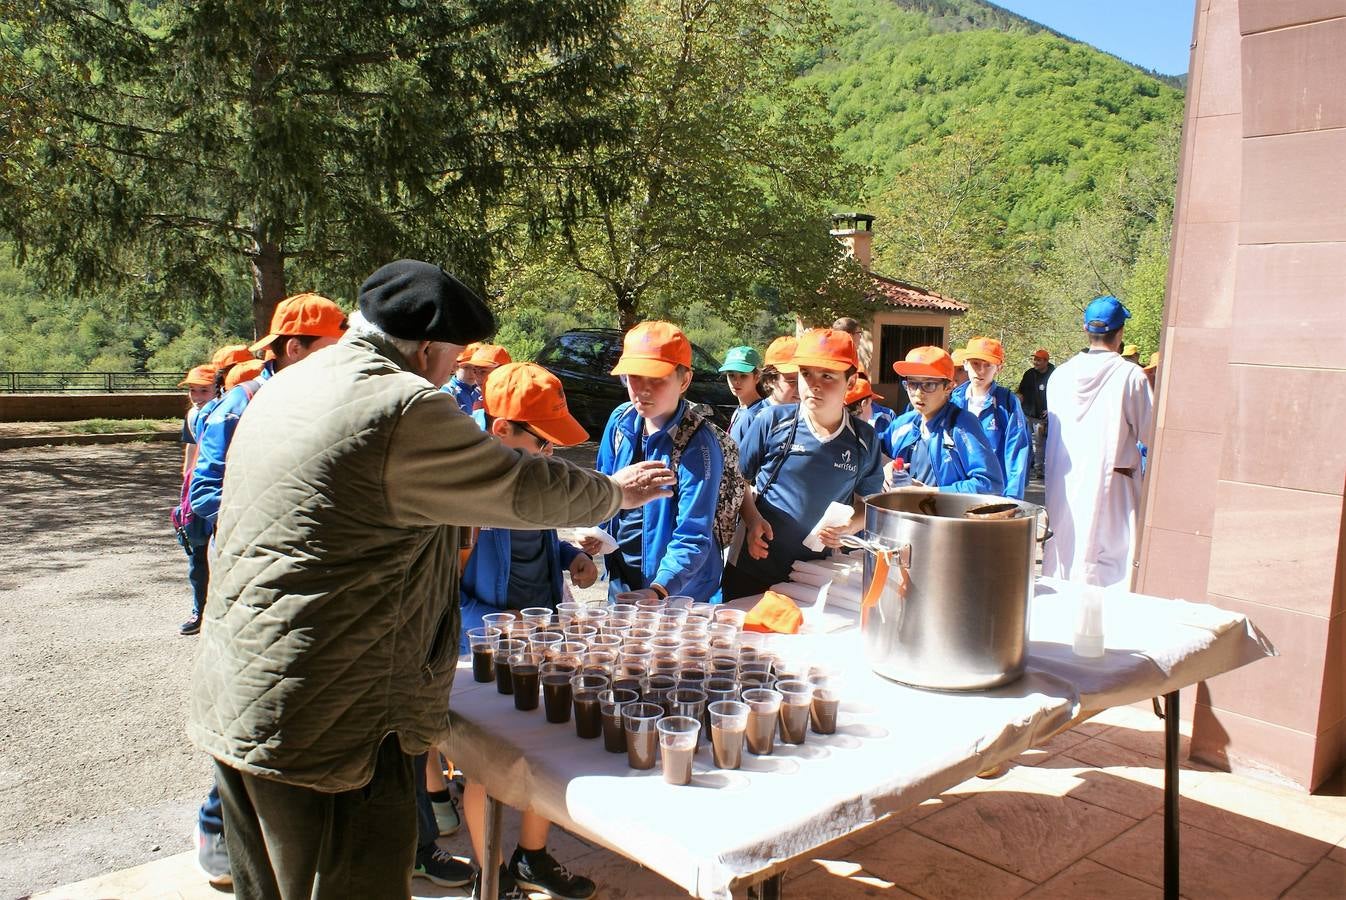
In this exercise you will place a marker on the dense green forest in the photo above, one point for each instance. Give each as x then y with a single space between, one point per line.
1007 166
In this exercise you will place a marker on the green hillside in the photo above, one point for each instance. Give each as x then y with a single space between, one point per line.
1065 117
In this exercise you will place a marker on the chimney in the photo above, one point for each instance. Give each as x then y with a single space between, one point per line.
856 231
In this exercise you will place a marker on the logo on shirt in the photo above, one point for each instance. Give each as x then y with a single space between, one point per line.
797 448
845 464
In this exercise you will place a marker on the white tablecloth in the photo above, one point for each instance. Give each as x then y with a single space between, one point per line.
895 746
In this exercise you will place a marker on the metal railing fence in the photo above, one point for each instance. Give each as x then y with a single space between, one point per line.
89 382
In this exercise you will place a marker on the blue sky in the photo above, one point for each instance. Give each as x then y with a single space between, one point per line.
1156 34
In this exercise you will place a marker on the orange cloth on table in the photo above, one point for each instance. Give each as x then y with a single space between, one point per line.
774 612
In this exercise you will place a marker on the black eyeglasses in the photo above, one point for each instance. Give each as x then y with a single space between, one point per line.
542 443
925 387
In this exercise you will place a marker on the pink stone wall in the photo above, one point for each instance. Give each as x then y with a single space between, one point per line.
1244 503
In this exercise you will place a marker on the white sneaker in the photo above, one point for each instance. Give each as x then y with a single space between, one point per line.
212 858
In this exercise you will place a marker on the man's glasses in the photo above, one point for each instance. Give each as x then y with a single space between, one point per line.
542 443
925 387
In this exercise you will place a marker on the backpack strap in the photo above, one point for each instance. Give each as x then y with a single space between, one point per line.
780 461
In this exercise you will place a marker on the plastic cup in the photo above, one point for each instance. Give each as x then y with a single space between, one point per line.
593 615
704 610
504 651
525 674
763 710
730 616
671 619
728 727
755 680
566 612
580 632
687 699
611 702
723 636
500 620
679 601
584 690
601 662
827 687
796 701
555 679
640 721
657 687
723 663
482 643
645 604
643 631
544 643
622 612
677 745
634 597
665 664
540 614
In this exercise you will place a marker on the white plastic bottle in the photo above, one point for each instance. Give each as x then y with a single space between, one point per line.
1089 624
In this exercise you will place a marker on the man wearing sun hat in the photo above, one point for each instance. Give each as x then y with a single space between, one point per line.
997 409
331 630
1098 412
940 444
1033 397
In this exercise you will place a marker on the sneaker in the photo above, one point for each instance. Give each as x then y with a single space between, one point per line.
191 626
509 888
538 871
441 867
446 812
212 857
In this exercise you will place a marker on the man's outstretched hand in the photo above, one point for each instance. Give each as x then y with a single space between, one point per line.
644 481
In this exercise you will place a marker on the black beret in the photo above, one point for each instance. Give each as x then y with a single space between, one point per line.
417 301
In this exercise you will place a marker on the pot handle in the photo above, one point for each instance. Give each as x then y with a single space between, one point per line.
1045 532
884 559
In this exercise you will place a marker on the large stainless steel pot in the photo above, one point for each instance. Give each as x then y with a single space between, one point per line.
951 612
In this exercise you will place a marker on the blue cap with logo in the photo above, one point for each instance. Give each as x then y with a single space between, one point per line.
741 359
1104 314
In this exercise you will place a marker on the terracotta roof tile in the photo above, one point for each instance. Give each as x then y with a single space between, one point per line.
892 292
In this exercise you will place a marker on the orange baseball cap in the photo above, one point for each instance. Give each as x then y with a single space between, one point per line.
932 362
526 392
199 376
465 358
654 349
490 355
242 372
986 349
862 389
825 348
231 354
781 354
308 315
1040 353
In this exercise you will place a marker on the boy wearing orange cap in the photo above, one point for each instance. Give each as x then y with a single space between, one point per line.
998 411
524 406
941 444
200 384
1033 398
862 401
666 547
463 386
300 326
802 458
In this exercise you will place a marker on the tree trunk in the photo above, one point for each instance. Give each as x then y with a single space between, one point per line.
628 311
268 284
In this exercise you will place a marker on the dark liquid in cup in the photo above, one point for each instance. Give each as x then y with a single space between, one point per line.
678 765
794 723
556 697
761 735
483 664
614 736
627 684
728 747
823 714
587 716
525 680
640 748
504 683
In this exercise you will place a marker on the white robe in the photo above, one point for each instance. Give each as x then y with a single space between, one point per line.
1098 408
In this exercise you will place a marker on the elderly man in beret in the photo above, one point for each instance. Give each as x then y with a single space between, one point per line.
331 627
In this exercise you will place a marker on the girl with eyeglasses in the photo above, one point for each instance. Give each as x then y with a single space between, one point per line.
941 444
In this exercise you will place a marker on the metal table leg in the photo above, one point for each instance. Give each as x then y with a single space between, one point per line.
490 866
1171 796
771 889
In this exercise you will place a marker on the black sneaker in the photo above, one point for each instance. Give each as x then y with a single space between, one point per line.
509 888
537 871
442 868
191 626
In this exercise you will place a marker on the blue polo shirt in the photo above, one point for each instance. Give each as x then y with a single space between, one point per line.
812 471
742 419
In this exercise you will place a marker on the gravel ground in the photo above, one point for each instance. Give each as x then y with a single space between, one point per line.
96 772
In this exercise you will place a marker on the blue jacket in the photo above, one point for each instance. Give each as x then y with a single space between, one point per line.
678 549
963 458
485 580
883 418
215 432
1003 423
742 418
465 395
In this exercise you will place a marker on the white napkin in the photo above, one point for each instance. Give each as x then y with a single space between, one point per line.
577 536
835 514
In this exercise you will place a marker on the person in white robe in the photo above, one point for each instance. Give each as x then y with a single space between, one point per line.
1098 411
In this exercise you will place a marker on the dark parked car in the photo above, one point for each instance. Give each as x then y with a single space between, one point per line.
582 359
